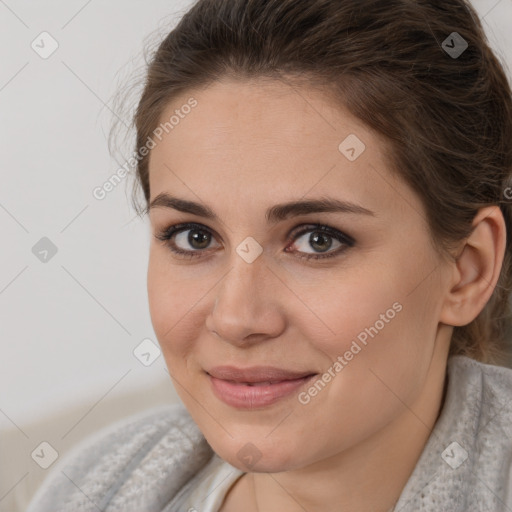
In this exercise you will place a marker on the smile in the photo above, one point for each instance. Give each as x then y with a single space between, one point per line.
251 395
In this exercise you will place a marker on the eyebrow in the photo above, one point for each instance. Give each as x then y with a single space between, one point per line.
274 214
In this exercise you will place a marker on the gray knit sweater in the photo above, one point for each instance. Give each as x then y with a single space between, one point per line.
139 464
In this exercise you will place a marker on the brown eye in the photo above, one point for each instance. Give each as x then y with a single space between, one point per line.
192 240
321 239
178 237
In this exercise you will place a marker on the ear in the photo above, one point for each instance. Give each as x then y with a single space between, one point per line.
476 270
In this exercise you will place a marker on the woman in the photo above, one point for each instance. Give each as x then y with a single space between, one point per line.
327 184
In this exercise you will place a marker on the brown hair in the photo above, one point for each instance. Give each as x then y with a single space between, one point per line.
447 118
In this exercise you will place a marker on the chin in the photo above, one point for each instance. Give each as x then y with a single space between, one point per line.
258 457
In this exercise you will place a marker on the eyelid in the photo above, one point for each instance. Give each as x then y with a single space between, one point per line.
322 228
167 234
177 228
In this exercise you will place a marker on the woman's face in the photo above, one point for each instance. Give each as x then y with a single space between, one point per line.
365 320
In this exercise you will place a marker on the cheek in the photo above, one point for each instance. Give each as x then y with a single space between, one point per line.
160 295
171 303
357 306
367 384
381 328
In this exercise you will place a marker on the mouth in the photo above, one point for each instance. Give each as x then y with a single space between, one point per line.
256 394
257 375
266 383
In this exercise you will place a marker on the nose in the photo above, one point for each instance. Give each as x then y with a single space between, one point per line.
247 307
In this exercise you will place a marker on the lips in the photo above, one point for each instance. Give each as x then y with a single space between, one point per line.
257 375
257 387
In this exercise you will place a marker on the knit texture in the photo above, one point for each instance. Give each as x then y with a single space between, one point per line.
477 415
141 463
135 465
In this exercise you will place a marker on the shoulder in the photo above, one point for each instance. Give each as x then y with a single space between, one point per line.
485 393
138 463
484 434
466 464
487 386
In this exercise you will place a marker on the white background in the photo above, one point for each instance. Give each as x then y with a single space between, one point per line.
68 327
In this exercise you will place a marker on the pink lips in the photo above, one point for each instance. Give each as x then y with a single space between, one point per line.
255 387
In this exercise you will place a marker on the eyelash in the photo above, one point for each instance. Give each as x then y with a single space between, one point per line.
168 233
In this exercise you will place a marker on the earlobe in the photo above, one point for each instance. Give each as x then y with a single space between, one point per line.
476 269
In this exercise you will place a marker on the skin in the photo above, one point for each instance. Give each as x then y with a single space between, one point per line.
249 145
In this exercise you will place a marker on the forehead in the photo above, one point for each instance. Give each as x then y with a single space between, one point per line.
264 116
269 138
